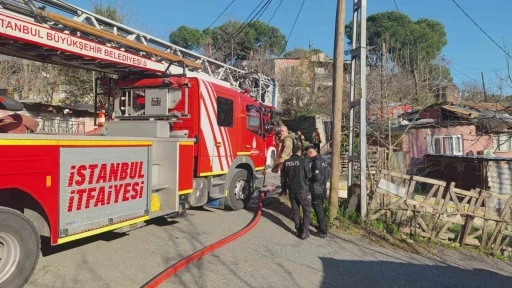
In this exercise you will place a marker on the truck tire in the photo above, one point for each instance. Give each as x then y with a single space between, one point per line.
240 190
272 159
20 246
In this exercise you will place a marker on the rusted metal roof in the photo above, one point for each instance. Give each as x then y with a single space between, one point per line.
462 111
491 106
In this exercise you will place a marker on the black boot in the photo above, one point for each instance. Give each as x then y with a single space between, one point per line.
299 230
304 235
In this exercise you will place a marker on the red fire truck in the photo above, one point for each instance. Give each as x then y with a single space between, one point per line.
183 134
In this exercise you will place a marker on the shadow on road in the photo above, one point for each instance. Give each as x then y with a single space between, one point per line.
277 206
47 249
347 273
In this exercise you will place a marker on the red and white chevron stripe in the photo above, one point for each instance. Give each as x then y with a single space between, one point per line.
221 155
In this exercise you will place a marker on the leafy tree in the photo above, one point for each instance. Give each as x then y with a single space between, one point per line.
268 38
302 53
412 45
110 11
235 41
232 40
188 38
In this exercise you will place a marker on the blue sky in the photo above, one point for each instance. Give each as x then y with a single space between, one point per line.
468 49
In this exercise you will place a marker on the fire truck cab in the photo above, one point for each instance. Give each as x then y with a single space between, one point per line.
230 130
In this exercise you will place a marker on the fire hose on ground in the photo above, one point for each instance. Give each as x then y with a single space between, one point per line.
170 271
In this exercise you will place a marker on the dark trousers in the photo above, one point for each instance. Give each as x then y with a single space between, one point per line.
301 200
317 147
317 201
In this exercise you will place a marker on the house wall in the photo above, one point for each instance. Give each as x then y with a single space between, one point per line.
415 142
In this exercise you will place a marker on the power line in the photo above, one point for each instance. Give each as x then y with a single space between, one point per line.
463 73
221 14
248 17
258 15
296 18
504 51
396 5
481 70
279 5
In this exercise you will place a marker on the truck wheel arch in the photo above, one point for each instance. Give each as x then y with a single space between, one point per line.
28 205
240 162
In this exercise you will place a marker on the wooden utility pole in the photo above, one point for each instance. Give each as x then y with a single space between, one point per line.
337 97
483 85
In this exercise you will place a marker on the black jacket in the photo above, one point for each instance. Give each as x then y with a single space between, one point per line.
295 175
320 174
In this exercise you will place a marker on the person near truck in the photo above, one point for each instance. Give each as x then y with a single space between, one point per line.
294 179
284 152
316 140
301 140
320 172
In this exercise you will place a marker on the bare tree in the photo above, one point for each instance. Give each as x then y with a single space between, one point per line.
30 80
471 91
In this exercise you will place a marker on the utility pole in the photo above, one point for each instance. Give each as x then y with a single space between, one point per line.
337 99
382 80
358 98
483 84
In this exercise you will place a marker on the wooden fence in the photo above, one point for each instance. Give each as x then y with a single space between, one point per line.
377 161
436 210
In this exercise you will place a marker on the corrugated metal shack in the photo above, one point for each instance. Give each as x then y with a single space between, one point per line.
470 172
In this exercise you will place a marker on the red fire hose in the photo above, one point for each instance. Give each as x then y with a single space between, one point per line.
169 272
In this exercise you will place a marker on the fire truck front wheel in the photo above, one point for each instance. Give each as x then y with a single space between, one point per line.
240 190
19 248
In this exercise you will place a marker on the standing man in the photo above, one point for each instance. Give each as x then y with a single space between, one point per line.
294 179
285 151
316 140
318 187
301 139
285 148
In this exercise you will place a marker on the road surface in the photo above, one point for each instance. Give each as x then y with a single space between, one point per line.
268 256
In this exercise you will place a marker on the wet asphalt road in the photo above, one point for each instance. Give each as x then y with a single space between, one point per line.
268 256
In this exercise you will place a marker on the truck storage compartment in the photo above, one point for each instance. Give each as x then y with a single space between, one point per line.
101 186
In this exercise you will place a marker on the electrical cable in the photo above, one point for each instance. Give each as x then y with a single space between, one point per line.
248 17
221 14
258 14
396 5
279 5
485 33
296 18
172 270
238 29
480 70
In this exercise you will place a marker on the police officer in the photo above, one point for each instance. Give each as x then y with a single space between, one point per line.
294 180
318 187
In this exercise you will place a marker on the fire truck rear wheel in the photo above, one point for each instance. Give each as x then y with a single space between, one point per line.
239 191
19 248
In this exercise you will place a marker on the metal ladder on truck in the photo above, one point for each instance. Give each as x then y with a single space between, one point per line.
99 44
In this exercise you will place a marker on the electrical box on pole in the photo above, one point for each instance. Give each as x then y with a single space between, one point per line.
358 99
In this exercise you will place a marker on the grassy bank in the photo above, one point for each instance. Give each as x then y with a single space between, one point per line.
376 231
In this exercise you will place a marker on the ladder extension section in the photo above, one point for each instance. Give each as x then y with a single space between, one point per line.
92 42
